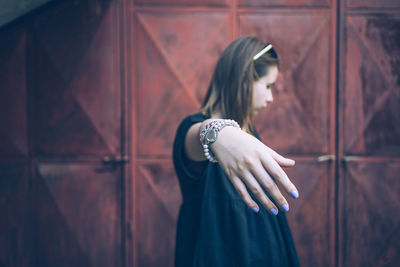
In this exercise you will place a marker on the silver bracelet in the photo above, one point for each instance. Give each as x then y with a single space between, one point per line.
210 134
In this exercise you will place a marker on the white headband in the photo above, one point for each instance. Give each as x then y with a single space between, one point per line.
262 52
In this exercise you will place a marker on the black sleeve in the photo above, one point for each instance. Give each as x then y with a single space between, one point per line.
184 166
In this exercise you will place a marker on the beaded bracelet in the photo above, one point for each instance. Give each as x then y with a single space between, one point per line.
210 134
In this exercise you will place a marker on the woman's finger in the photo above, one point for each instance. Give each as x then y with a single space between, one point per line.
253 185
266 181
280 176
284 162
242 191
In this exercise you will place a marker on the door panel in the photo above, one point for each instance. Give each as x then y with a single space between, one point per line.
158 197
78 214
298 120
369 140
369 219
371 99
76 96
75 119
174 53
13 80
60 97
15 222
311 216
174 66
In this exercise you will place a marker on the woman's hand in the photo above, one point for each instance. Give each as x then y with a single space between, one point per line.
248 162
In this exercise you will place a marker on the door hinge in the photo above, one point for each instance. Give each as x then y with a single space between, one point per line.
115 159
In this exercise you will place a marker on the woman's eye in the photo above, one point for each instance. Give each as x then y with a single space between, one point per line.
268 86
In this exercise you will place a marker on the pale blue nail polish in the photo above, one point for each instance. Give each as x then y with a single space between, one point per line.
255 209
285 207
294 194
273 211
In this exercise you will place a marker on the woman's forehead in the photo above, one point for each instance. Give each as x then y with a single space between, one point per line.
271 75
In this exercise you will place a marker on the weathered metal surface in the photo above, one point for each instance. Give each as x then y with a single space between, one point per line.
76 104
77 215
65 70
159 199
16 234
298 120
76 93
175 57
371 86
311 216
369 217
13 85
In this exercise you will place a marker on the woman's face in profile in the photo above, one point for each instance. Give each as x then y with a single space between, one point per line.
262 94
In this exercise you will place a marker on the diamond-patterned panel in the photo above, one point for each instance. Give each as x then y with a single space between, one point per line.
158 198
15 223
370 221
77 93
175 58
298 120
371 97
310 216
289 3
78 215
13 130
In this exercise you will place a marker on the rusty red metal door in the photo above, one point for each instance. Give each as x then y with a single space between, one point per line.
369 146
175 45
329 48
64 72
76 116
172 66
61 205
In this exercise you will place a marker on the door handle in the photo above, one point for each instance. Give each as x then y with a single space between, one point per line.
350 158
324 158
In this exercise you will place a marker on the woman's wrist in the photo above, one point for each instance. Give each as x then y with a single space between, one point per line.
209 133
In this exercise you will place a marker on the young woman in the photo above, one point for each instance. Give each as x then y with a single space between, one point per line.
228 177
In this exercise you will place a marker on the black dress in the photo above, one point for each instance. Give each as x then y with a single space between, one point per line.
215 227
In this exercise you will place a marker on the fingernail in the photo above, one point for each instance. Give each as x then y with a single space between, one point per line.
255 209
285 207
291 161
273 211
294 194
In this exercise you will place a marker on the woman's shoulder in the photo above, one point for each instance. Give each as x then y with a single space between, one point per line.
193 119
183 165
187 122
196 117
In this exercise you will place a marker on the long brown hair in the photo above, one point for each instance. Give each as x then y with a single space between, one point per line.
231 86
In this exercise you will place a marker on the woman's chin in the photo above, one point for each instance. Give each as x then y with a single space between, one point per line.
258 109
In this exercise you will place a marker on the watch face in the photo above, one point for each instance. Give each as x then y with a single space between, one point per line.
211 135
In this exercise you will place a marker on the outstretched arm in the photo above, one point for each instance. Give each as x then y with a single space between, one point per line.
247 162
